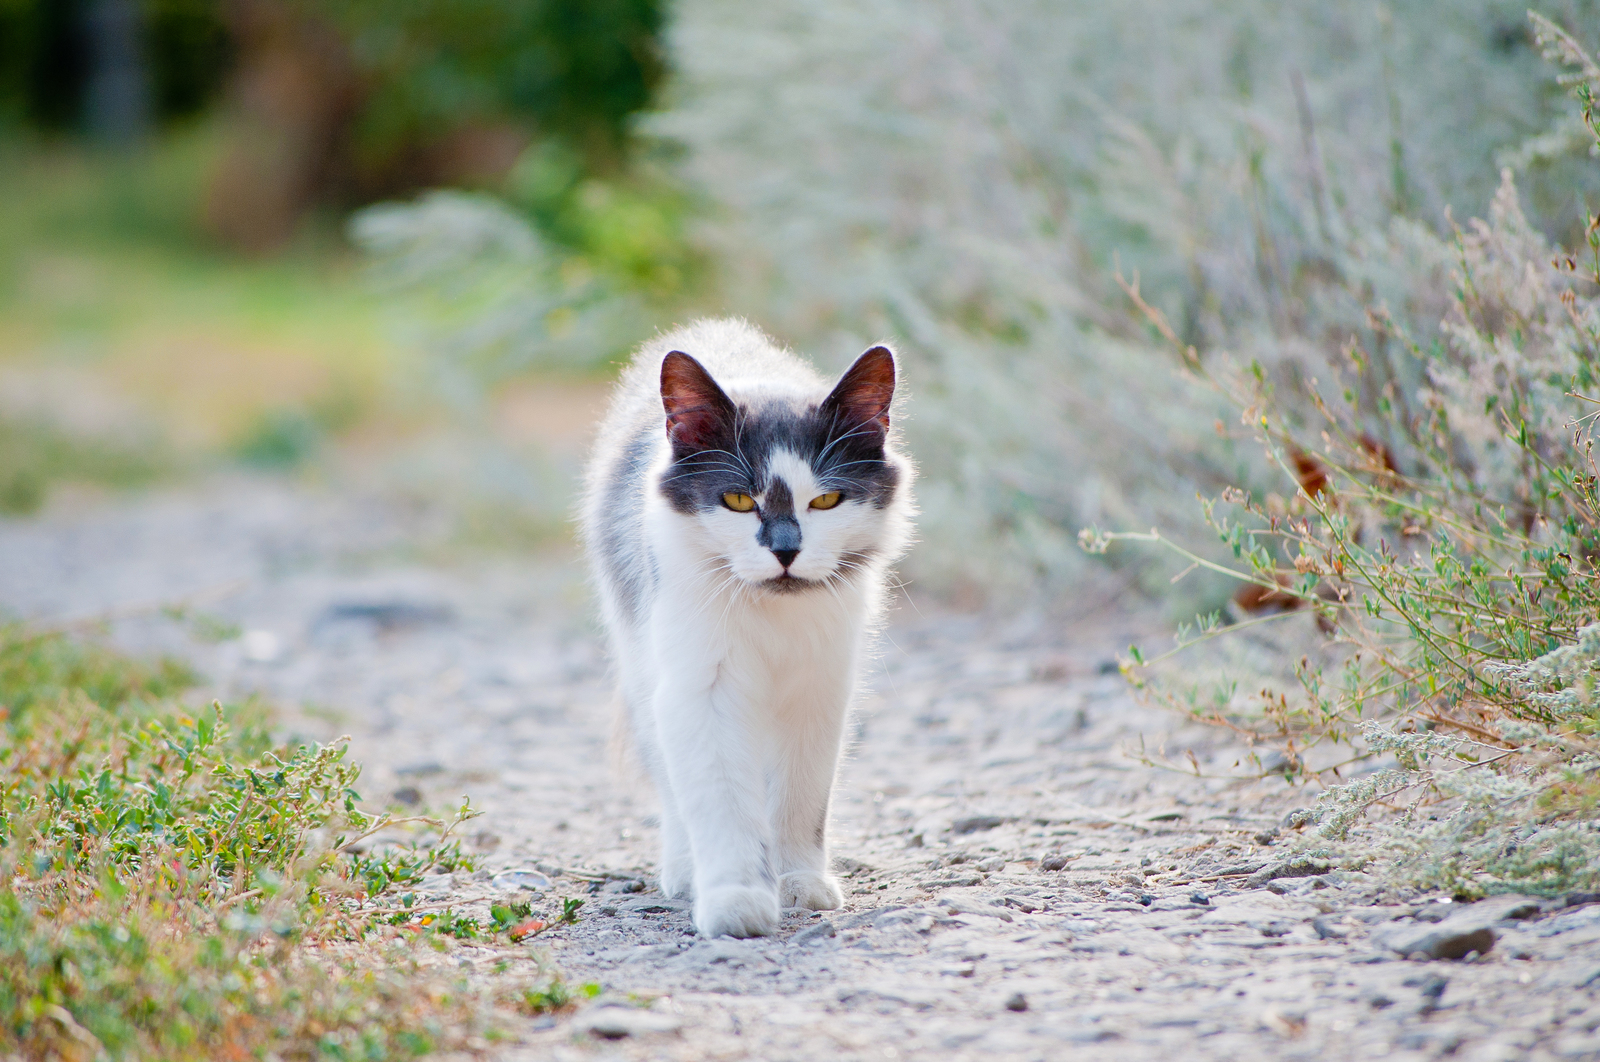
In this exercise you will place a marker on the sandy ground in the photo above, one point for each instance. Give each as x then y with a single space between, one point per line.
1018 886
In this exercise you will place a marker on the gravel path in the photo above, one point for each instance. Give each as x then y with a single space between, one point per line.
1017 886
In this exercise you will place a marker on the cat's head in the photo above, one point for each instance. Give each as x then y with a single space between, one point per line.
788 493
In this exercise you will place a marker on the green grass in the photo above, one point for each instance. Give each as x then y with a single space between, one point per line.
107 274
36 454
175 886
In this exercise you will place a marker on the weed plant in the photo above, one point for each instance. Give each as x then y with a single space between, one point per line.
1434 551
175 886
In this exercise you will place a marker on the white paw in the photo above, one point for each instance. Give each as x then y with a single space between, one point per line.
736 911
677 880
809 888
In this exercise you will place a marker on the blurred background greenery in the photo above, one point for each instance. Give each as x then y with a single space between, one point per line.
176 290
409 242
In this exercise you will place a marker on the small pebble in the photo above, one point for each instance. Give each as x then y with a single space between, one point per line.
1200 898
1018 1002
616 1022
521 878
1326 930
821 931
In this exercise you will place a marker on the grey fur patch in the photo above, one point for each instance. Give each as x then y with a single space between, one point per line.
632 582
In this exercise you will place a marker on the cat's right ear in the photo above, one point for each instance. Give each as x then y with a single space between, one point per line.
697 409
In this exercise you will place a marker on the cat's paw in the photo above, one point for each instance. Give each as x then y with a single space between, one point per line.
809 888
677 880
736 911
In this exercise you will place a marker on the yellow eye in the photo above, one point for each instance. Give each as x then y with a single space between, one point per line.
825 501
739 503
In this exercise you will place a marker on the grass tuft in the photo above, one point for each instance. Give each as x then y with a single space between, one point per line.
173 885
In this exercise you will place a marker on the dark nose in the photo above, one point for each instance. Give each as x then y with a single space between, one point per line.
781 534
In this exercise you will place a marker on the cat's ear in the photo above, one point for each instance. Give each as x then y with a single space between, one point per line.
697 409
862 396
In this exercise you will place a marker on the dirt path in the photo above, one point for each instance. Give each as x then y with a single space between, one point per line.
1017 887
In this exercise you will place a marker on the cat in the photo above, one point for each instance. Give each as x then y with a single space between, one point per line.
740 517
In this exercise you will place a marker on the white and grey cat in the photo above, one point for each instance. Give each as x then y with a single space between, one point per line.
740 517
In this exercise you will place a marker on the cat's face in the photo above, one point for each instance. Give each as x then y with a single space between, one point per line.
786 495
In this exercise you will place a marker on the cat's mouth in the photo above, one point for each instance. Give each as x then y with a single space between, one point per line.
789 584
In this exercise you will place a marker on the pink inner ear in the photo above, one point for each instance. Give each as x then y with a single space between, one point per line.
864 393
695 406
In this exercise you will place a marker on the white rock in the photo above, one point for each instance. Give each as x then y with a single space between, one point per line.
261 647
613 1022
522 878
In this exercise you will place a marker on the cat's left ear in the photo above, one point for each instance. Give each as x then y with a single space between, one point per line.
697 409
862 396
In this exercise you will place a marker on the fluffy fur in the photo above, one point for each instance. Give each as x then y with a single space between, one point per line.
737 635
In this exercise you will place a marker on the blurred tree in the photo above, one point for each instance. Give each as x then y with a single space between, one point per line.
575 70
189 53
348 101
117 104
339 102
172 56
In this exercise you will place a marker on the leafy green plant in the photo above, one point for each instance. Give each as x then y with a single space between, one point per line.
398 865
161 874
505 917
452 924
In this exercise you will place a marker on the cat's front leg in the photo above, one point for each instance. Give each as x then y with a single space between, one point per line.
719 793
677 861
803 803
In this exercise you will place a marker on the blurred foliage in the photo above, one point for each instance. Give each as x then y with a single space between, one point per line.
632 229
281 437
964 176
128 341
574 70
35 455
339 103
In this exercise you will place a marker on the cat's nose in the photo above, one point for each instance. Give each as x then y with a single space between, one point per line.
786 556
